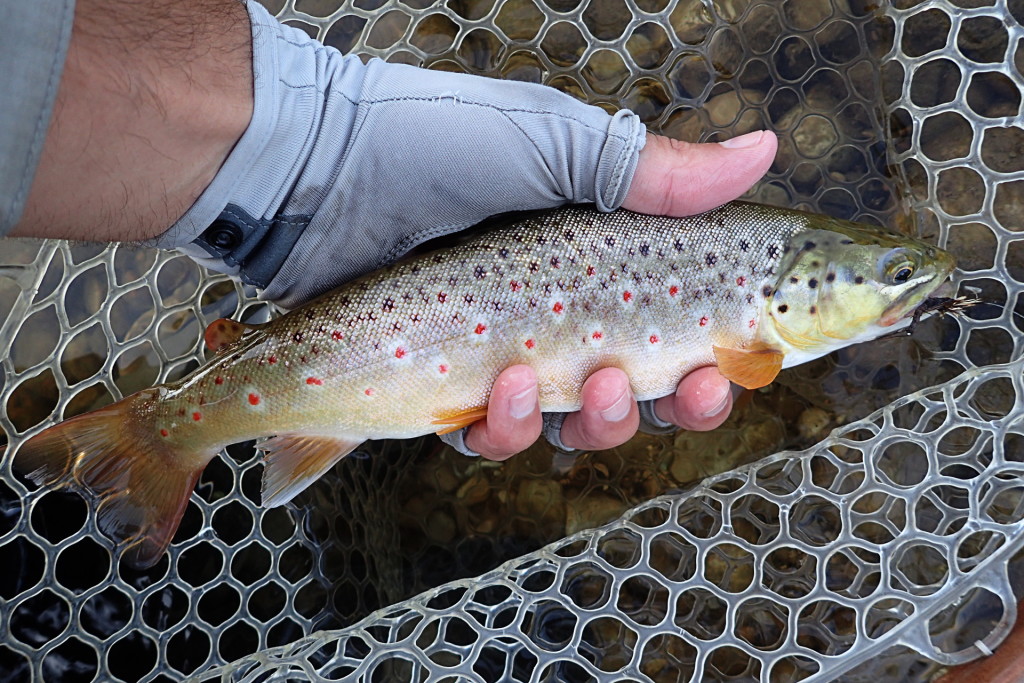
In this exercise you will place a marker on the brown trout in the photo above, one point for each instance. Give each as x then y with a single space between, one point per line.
414 348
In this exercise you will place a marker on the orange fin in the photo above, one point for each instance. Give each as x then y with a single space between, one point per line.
223 332
750 368
293 462
457 421
139 483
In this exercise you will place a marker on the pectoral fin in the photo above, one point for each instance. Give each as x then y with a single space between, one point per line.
750 368
293 462
223 332
456 422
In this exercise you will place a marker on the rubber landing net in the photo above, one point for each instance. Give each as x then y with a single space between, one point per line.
887 549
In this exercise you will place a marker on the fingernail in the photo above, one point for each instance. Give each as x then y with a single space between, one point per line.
523 404
748 140
618 411
720 406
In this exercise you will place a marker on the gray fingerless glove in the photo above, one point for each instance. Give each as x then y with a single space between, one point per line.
345 167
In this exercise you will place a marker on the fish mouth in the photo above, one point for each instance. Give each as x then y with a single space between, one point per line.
918 301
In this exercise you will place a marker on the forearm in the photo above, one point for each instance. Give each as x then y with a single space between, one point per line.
153 98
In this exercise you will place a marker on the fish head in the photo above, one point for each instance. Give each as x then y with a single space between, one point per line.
843 283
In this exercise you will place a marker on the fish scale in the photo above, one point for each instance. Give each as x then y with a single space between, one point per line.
427 338
415 348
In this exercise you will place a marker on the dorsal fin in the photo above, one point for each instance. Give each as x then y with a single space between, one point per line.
223 332
293 462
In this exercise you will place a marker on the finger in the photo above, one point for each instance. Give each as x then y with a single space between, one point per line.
701 403
513 419
675 178
609 416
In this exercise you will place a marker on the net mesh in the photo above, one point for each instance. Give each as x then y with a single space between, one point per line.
887 549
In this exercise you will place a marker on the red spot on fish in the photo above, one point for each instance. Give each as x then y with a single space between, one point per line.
557 308
673 290
597 335
751 323
218 380
654 339
164 433
442 297
368 392
741 280
442 368
480 328
591 270
516 286
530 343
314 380
627 296
272 360
337 336
399 352
197 416
254 399
703 320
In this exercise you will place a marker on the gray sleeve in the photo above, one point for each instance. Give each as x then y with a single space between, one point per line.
32 50
346 166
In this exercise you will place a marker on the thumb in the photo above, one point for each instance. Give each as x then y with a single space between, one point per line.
675 178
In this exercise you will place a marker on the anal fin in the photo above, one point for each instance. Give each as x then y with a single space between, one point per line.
750 368
293 462
457 421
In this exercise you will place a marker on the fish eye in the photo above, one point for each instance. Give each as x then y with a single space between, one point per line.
898 266
903 274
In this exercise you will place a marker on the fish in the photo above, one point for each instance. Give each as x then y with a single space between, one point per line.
414 348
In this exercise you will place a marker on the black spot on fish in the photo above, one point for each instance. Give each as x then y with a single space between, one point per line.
710 258
407 296
555 262
497 305
503 252
678 244
794 279
750 298
813 310
858 280
744 245
534 266
310 315
569 235
388 305
416 317
638 278
808 245
645 249
783 308
297 336
773 251
610 241
815 264
721 277
766 291
847 242
468 298
812 283
830 277
479 273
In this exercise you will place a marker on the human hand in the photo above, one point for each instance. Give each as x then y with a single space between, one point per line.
672 178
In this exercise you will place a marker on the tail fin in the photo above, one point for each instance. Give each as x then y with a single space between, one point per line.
139 484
